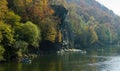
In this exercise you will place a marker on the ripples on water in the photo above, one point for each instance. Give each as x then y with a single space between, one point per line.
109 60
112 64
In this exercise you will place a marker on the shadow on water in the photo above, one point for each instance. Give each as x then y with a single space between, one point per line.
96 59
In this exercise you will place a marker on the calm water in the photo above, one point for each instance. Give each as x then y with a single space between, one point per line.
94 60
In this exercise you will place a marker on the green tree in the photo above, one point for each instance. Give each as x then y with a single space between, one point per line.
7 39
11 18
29 33
7 34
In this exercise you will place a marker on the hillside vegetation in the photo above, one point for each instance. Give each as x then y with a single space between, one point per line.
32 26
92 23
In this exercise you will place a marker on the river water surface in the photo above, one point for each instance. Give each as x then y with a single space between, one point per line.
96 59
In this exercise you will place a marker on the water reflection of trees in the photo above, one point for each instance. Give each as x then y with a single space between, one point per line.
65 62
48 63
77 62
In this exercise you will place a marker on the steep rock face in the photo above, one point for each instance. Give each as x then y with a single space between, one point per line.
64 27
60 11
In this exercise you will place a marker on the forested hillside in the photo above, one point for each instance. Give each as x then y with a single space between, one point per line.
92 23
32 26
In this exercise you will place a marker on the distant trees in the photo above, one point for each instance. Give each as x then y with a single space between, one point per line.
91 25
106 34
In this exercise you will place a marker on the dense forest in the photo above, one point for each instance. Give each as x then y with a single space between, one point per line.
32 26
